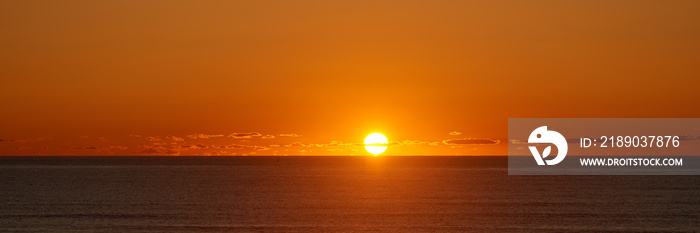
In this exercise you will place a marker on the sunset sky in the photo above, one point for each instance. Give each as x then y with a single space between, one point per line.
316 77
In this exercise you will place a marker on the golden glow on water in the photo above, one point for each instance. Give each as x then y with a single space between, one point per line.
376 143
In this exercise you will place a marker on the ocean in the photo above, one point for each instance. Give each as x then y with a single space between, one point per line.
331 194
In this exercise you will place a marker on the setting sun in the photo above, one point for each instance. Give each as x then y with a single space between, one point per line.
376 143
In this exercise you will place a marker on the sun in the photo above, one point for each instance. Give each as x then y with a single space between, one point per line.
376 143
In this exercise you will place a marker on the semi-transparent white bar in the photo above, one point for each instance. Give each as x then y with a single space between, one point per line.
604 146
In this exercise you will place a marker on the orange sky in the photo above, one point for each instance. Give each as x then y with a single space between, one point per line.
80 77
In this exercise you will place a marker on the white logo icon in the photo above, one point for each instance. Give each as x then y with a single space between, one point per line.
542 135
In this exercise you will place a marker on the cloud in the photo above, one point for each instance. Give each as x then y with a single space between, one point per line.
568 141
578 140
153 139
159 150
149 151
295 144
204 136
471 141
245 135
331 144
413 143
196 146
268 137
117 147
688 138
573 140
516 141
105 148
177 139
410 142
233 146
289 135
455 133
238 146
7 140
135 135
